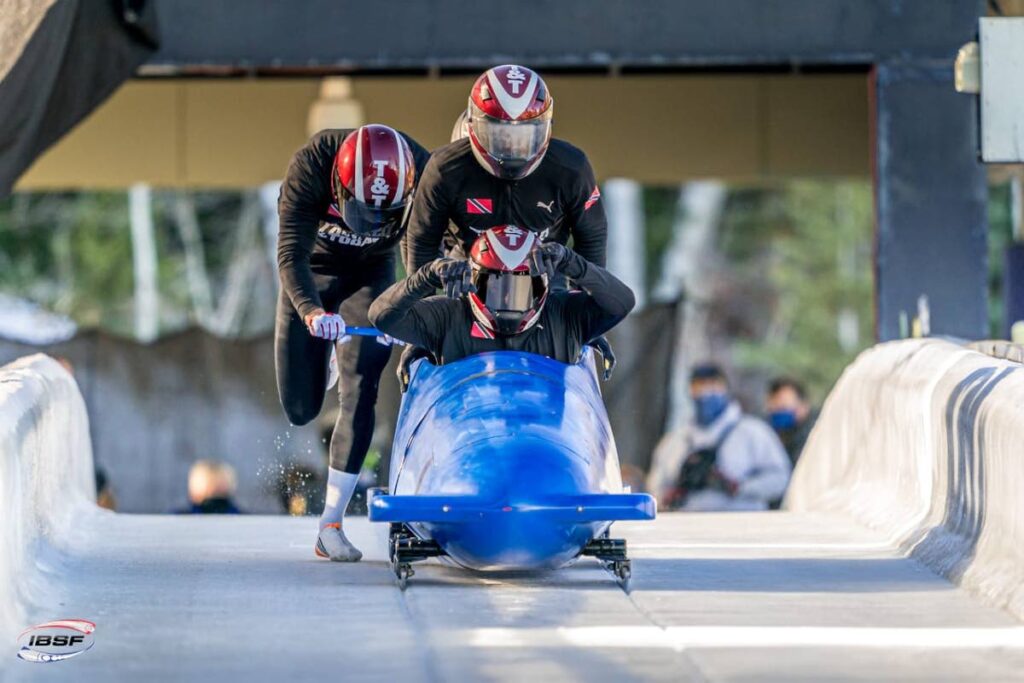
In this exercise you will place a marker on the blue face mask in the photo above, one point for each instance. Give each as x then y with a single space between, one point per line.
710 406
782 419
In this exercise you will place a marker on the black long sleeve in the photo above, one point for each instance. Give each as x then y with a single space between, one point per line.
589 225
402 312
445 327
304 198
605 302
429 219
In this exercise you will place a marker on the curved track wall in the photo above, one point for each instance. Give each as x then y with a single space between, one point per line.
46 476
924 440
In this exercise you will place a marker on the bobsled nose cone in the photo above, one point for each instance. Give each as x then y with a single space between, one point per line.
520 479
520 471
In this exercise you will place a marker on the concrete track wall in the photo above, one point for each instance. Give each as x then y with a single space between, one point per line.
924 440
46 477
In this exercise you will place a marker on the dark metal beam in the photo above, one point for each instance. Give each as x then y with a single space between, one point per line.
405 34
931 202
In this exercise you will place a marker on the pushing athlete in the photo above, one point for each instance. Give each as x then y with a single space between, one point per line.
343 207
507 170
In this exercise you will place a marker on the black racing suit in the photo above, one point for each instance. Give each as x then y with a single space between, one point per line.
324 265
446 327
457 199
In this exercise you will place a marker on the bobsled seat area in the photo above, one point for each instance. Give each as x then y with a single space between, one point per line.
507 460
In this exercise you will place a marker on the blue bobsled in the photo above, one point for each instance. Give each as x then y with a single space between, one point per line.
505 460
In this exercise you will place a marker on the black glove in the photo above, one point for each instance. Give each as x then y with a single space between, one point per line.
605 349
453 275
549 258
410 355
553 258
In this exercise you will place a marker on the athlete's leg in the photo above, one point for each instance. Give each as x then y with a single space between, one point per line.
360 364
301 362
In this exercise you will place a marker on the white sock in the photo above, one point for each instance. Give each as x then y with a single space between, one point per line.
340 487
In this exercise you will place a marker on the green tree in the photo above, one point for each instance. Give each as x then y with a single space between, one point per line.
818 264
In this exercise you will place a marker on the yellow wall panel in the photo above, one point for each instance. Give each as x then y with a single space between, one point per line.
133 136
817 125
661 129
657 129
241 133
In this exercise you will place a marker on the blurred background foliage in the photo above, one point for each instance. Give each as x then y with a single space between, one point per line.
1000 238
792 293
72 254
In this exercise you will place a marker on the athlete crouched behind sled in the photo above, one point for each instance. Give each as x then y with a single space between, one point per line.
500 300
343 208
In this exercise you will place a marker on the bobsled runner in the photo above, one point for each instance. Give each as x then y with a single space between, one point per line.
505 461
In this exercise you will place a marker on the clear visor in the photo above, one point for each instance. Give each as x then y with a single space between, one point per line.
510 140
506 292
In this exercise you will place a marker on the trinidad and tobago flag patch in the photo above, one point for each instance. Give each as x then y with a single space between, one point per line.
480 205
594 196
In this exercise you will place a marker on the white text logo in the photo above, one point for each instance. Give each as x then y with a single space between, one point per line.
515 79
379 187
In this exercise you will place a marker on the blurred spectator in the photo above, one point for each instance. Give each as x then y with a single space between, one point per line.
724 460
300 490
104 493
789 414
211 486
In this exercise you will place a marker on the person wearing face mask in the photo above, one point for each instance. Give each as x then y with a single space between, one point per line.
725 459
790 414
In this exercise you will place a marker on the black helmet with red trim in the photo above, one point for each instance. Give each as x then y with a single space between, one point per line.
509 115
510 292
373 177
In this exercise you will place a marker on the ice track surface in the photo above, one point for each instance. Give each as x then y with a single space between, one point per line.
756 597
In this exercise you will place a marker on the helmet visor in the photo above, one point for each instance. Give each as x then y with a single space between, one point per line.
506 295
367 220
510 141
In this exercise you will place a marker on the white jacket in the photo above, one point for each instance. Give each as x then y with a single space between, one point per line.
751 455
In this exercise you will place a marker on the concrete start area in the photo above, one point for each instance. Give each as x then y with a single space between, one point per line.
714 597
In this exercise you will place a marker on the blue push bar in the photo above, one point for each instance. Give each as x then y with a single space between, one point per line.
363 331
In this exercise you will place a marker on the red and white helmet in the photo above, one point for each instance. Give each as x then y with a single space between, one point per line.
510 113
373 179
510 295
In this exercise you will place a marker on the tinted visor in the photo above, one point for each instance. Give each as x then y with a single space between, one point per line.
364 219
508 296
510 141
